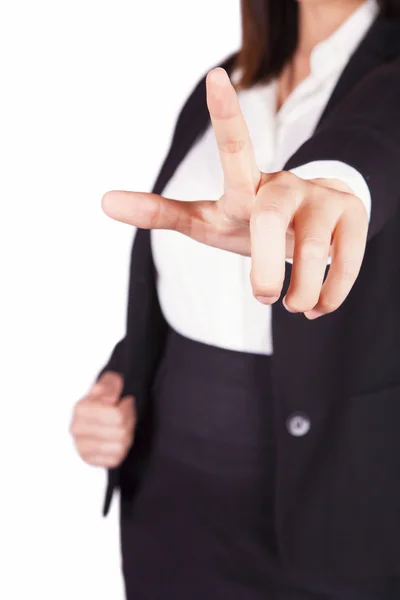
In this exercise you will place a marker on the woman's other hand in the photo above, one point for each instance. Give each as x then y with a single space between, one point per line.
268 216
103 426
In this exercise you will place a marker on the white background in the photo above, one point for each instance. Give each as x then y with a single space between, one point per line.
89 93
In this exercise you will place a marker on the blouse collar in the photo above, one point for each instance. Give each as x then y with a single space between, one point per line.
333 53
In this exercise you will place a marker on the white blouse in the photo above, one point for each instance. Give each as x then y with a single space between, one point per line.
205 293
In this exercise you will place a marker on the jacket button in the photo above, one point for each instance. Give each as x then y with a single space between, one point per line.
298 424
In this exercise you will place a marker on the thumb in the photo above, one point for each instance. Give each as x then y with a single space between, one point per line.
147 211
108 388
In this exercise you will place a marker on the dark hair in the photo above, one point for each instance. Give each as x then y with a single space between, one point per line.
269 36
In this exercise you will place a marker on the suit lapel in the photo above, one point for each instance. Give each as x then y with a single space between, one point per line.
369 55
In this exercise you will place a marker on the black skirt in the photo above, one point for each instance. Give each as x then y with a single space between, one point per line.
201 523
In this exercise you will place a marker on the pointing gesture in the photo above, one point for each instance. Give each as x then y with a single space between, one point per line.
269 217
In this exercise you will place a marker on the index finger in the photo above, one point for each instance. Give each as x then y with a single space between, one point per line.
149 211
233 140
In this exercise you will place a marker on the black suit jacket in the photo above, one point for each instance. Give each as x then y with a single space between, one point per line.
338 487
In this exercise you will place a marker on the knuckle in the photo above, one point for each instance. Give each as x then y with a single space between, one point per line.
237 205
313 248
231 146
279 200
269 208
283 178
355 204
262 213
347 272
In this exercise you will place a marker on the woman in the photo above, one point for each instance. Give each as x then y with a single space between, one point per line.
266 452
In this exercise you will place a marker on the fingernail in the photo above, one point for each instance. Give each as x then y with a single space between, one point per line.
313 314
267 299
286 306
219 75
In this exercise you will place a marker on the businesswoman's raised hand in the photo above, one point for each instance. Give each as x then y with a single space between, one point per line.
268 216
102 426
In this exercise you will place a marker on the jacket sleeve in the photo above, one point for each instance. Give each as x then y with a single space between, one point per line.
364 132
116 360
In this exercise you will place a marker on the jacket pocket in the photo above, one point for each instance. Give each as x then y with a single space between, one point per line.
387 393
